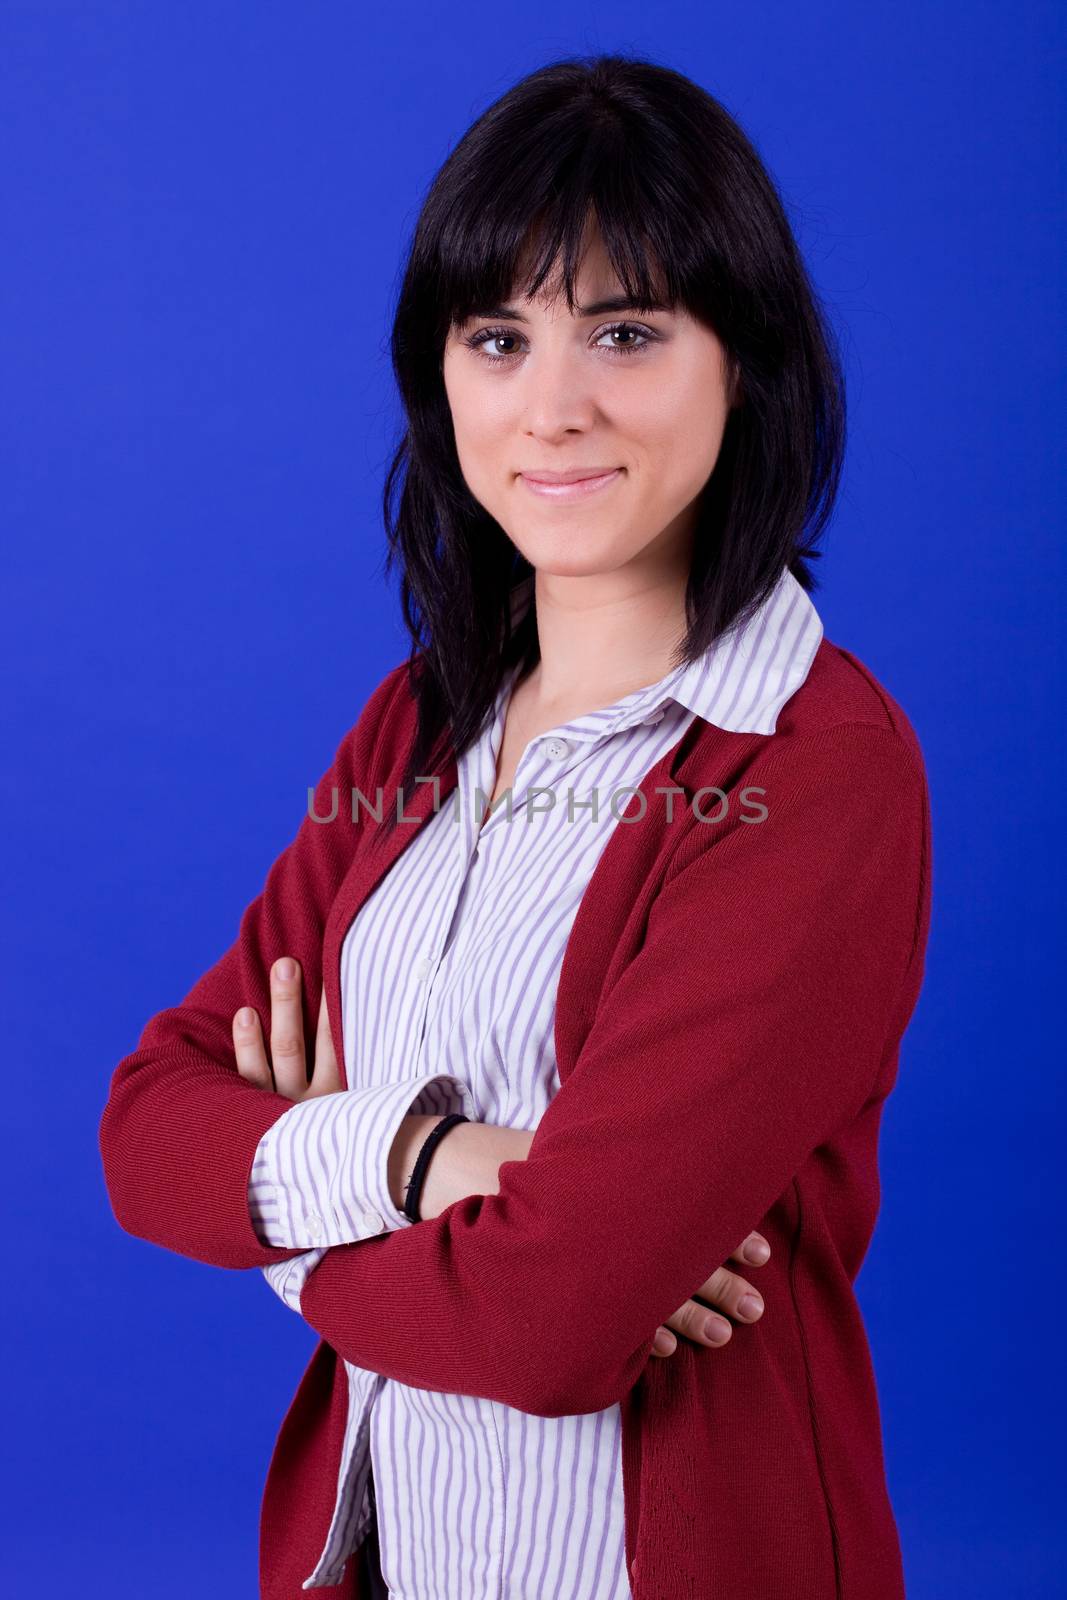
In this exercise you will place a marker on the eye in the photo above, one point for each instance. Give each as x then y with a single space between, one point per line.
476 341
645 336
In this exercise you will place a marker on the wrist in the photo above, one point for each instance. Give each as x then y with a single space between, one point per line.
467 1161
404 1152
456 1169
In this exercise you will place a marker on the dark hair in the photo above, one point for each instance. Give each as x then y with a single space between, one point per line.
688 214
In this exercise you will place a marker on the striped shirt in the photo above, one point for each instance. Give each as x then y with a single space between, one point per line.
448 978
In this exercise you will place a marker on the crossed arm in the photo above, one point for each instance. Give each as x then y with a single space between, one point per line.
321 1169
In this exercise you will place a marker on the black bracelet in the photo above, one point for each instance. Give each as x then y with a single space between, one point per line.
414 1187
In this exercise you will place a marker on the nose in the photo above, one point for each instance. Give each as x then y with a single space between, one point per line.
557 398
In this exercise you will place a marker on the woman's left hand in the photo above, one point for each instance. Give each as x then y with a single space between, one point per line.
286 1041
725 1292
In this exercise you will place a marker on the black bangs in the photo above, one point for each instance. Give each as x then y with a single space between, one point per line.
525 240
546 258
689 217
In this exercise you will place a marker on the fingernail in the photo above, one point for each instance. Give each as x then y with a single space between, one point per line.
284 969
757 1252
750 1305
244 1017
715 1331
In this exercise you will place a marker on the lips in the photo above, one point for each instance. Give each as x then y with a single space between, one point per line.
572 475
574 485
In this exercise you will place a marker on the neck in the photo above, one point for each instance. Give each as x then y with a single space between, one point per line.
604 637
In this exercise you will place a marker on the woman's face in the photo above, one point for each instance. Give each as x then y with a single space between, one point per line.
543 390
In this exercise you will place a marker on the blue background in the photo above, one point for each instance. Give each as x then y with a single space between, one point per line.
205 208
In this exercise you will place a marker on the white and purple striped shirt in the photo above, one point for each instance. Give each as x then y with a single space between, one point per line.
448 982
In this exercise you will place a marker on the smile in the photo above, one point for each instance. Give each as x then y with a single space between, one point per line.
571 491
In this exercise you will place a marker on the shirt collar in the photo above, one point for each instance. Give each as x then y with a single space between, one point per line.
740 683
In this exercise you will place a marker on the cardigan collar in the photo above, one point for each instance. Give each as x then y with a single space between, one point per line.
740 683
738 686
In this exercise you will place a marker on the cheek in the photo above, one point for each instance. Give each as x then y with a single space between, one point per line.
481 418
480 443
679 423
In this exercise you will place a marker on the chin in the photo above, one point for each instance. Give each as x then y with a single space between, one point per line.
582 560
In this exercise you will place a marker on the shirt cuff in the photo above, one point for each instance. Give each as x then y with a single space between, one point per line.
320 1172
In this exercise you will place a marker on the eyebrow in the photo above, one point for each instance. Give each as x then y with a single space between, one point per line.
599 308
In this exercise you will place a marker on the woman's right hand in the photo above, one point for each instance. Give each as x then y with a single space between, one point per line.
286 1070
724 1289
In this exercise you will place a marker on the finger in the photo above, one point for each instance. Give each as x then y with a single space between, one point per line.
249 1048
732 1294
753 1251
700 1325
287 1029
726 1292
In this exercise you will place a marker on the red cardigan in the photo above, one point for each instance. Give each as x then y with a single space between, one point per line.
729 1015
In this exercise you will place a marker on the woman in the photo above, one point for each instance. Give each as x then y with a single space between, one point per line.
615 902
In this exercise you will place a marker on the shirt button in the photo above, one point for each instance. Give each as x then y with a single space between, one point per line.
557 749
372 1222
423 969
314 1224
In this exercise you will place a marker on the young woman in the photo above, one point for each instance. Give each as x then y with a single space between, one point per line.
607 919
